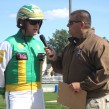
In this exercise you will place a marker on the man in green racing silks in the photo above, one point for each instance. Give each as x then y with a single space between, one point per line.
20 68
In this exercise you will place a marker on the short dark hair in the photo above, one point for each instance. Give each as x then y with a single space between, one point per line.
83 15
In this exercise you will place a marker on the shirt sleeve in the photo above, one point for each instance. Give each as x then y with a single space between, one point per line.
5 56
100 60
57 65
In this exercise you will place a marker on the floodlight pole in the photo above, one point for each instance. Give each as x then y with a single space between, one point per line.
70 10
70 7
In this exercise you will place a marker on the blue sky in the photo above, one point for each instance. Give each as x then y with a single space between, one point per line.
56 14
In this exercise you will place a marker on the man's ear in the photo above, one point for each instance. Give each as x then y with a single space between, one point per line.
82 24
21 24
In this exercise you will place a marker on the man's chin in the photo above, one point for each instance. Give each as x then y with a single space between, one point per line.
35 33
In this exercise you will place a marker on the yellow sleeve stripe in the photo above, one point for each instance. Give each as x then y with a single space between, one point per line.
2 52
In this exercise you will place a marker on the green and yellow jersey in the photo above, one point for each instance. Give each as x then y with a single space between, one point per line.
19 63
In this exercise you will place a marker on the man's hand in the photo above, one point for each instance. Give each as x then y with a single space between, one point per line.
75 87
50 54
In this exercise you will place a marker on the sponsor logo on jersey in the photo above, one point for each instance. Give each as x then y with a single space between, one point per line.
20 46
38 47
22 56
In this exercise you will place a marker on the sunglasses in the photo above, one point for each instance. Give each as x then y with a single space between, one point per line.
34 22
71 22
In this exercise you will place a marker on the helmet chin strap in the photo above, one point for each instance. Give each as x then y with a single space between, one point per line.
38 32
40 26
24 34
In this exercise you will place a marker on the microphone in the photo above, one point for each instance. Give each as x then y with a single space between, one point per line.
43 40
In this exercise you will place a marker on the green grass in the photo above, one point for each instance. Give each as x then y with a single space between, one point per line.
2 103
50 96
52 105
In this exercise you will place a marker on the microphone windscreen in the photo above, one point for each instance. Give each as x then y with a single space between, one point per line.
43 40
